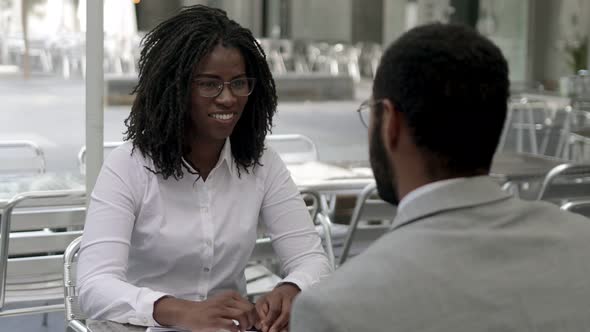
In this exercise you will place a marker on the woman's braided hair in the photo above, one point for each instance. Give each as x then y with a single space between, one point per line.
159 116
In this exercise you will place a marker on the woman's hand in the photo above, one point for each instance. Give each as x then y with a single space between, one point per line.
217 312
274 308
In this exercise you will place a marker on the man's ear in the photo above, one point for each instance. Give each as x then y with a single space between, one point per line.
391 124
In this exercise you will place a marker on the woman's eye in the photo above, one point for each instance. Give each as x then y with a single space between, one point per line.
239 84
208 84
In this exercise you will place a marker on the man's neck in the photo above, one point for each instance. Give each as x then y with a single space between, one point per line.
415 172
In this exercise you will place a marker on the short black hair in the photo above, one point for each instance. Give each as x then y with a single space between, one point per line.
160 113
451 85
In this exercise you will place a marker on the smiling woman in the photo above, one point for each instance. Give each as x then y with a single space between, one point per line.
190 48
173 217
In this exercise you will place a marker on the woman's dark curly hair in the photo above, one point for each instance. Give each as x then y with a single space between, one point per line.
159 116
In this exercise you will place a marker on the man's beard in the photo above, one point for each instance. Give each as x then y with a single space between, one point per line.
384 174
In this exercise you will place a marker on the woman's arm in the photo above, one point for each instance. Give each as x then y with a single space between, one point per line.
104 292
289 224
295 241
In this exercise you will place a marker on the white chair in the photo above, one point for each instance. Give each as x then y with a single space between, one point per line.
574 141
75 318
261 274
330 191
36 229
107 148
564 182
322 221
294 148
578 206
579 145
521 118
368 208
21 157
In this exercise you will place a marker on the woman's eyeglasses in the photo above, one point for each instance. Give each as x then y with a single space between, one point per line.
212 87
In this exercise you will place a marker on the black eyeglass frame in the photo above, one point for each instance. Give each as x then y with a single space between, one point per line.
221 85
367 105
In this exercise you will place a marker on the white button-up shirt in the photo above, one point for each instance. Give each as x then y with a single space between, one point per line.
146 237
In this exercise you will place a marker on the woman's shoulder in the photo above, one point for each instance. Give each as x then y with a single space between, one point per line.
270 159
127 155
269 163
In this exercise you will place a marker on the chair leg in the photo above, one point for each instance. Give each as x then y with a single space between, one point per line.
45 319
532 130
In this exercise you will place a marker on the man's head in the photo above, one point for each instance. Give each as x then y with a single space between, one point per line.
440 98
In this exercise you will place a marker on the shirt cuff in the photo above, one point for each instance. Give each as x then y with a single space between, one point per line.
301 280
145 309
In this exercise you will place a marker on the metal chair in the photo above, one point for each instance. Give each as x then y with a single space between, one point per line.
578 206
108 147
368 207
322 221
579 145
530 116
261 274
36 228
564 182
263 250
75 318
21 157
294 148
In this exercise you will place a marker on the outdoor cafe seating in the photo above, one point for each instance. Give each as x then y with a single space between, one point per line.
38 226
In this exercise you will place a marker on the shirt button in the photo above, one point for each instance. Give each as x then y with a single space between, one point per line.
208 243
204 209
206 269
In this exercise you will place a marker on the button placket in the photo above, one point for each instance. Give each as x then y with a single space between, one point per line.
207 256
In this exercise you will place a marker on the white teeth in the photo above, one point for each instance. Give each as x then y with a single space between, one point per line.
222 116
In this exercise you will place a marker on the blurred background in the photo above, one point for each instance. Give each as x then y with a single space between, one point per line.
323 54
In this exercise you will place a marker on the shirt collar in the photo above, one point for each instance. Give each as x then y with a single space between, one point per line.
224 157
449 195
227 157
423 190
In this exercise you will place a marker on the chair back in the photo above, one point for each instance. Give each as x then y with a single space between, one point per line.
19 158
107 148
578 206
36 228
263 250
564 182
579 144
368 208
262 273
522 122
74 316
294 148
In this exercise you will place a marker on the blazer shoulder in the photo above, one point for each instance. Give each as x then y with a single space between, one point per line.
311 313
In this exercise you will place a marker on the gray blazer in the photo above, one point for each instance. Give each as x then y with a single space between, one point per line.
464 257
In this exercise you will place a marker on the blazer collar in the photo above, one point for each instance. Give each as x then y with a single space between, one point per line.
469 192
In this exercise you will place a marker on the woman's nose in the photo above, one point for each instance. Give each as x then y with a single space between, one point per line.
226 97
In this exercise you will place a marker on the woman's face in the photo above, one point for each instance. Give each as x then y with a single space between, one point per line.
214 118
